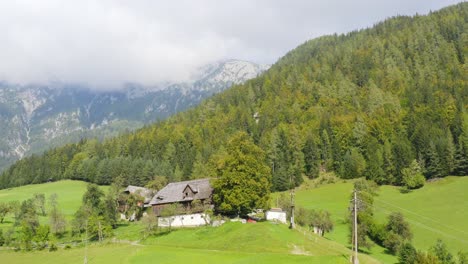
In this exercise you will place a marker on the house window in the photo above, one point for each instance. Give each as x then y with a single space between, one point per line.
186 194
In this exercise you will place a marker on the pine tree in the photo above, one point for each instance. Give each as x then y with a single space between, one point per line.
461 160
433 164
199 168
327 156
311 158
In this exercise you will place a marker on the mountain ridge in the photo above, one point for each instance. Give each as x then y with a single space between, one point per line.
36 117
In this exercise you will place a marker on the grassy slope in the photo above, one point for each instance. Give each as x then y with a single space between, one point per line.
441 208
230 243
69 194
335 198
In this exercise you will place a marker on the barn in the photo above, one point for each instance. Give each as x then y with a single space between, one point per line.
182 193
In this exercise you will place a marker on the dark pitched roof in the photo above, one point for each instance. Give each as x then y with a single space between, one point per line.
279 210
146 193
174 192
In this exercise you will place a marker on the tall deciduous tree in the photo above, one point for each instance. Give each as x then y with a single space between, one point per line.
243 182
56 218
39 201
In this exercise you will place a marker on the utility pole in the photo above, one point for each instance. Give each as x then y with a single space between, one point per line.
292 224
86 245
355 257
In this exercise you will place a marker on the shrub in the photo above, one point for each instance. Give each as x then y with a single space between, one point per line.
398 225
462 258
407 254
393 242
302 216
378 233
412 176
2 239
442 253
52 247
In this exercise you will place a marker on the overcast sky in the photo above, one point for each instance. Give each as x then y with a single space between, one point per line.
104 43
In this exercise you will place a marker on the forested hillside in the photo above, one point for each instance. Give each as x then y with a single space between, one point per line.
366 103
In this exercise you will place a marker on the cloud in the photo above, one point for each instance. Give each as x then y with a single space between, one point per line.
105 43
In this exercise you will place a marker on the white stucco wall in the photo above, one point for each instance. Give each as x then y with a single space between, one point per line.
276 216
189 220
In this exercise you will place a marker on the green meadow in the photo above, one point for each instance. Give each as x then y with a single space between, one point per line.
69 194
438 210
231 243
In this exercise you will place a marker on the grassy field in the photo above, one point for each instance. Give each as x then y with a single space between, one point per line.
69 194
335 199
438 210
231 243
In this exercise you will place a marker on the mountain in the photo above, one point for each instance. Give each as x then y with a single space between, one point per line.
366 103
37 117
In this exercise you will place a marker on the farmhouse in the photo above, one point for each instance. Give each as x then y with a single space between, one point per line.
182 193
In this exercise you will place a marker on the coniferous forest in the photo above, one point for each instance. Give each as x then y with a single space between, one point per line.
374 102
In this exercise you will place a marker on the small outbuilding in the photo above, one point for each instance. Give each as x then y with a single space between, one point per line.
276 214
145 193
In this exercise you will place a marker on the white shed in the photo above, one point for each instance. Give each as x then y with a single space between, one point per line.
276 214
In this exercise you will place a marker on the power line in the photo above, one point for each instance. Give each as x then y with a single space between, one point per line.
422 216
388 212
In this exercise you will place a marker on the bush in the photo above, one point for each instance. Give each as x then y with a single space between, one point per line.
398 225
407 254
325 178
378 233
302 216
52 247
2 239
442 253
462 258
67 247
8 236
393 242
412 176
